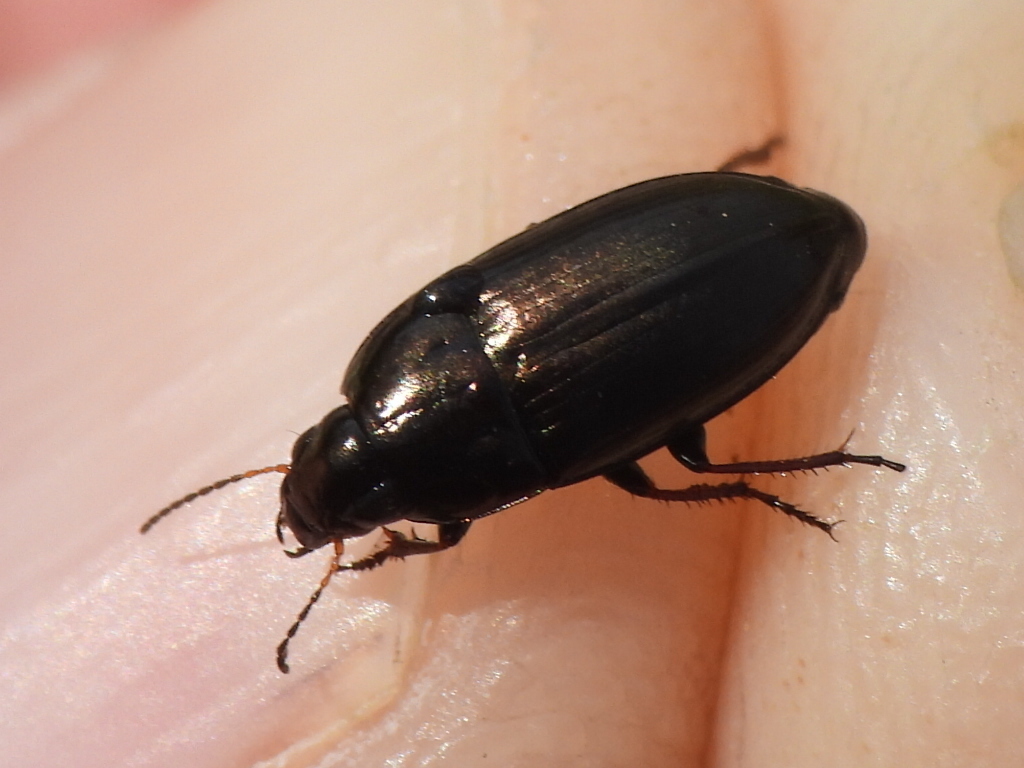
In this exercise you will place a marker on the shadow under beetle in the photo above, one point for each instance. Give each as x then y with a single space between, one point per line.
568 352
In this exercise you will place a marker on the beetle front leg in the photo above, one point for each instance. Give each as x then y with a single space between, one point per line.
630 477
399 546
688 448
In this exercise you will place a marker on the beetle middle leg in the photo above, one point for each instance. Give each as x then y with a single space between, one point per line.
397 546
630 477
688 448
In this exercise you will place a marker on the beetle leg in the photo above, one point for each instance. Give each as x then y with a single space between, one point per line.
688 449
333 568
399 546
630 477
757 156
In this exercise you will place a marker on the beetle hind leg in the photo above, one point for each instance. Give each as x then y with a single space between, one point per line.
630 477
688 448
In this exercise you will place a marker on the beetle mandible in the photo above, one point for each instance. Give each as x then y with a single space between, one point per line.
568 352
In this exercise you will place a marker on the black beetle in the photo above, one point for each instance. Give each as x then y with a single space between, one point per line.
568 352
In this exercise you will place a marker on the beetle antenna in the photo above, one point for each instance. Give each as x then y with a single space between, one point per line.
282 468
335 566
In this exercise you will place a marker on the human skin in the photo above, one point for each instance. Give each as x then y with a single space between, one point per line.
195 243
38 34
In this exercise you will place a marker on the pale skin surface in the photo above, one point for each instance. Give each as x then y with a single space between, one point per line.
197 239
38 34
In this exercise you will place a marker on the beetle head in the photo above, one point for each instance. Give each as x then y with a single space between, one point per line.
335 488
